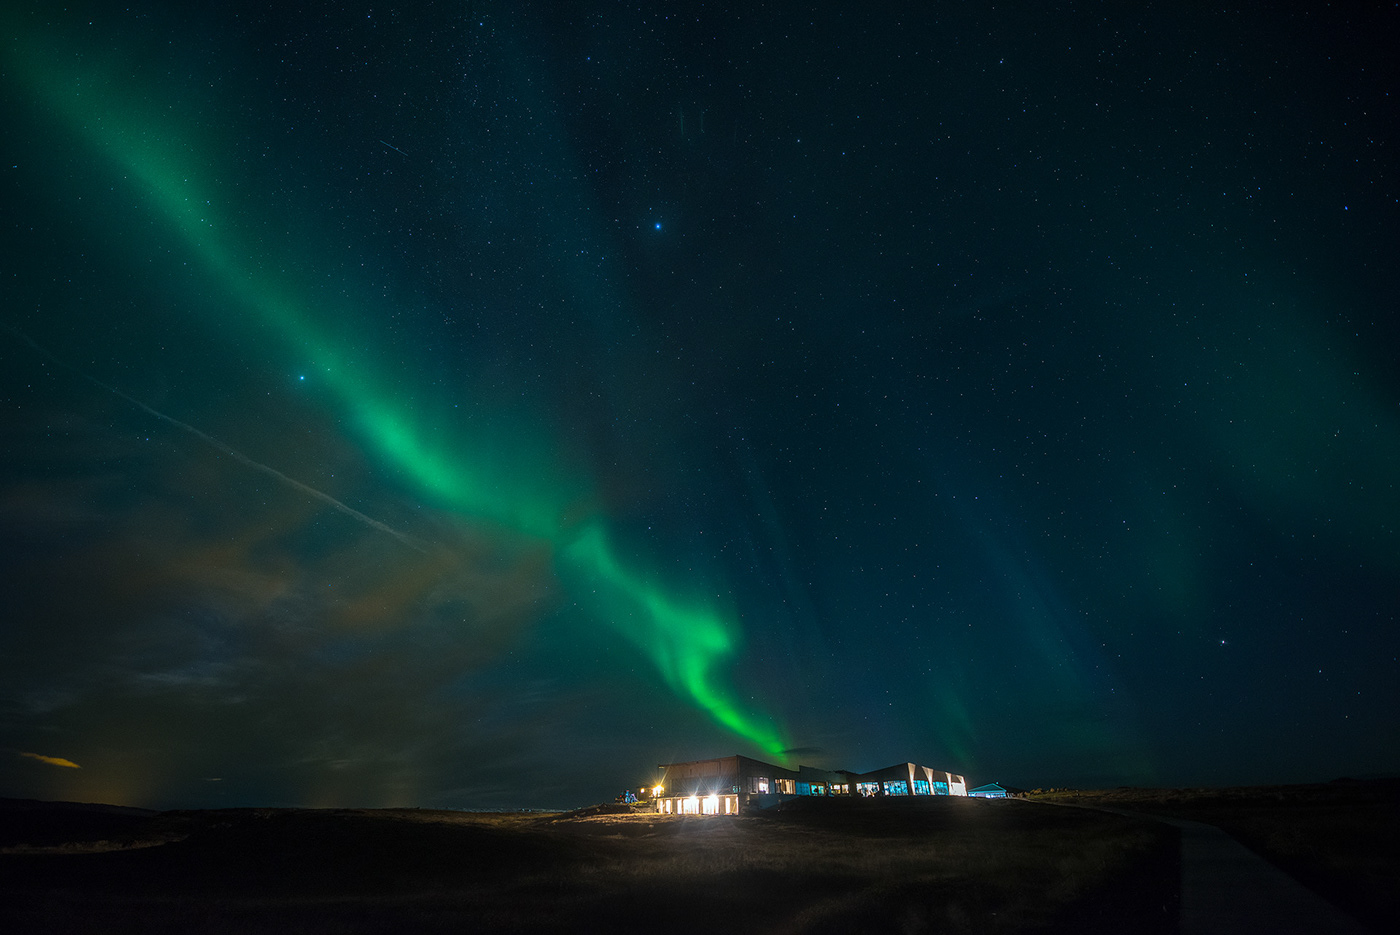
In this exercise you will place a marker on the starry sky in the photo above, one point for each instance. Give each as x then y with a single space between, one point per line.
477 404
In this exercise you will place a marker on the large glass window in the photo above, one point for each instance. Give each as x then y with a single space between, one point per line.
921 787
940 788
758 784
867 788
897 787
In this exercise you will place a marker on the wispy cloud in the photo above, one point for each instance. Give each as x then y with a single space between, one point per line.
229 450
51 760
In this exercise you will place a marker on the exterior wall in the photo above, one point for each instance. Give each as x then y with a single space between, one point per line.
701 777
909 779
732 782
696 805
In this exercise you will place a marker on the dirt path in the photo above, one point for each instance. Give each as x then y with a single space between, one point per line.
1227 888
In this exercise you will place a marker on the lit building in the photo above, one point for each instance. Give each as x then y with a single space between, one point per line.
724 785
910 779
991 790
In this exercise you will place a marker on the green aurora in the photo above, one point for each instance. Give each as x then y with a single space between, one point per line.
512 479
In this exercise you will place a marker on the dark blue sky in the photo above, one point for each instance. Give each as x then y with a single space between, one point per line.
401 403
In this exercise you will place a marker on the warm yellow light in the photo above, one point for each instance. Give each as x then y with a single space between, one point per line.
657 790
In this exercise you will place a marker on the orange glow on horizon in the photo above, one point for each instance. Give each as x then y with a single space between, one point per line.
51 760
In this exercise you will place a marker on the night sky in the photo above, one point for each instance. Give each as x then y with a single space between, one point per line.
477 404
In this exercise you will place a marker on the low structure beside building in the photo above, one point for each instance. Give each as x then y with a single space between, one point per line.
991 790
724 785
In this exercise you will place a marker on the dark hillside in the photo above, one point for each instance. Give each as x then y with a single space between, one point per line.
947 865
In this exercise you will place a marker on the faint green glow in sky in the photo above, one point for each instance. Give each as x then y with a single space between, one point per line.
510 478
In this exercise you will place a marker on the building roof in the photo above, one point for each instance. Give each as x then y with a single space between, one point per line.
737 765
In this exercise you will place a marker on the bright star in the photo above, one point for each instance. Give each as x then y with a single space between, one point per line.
658 225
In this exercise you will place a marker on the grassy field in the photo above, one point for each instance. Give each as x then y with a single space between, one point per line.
937 864
1342 838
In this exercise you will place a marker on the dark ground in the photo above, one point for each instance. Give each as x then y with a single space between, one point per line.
1340 839
819 866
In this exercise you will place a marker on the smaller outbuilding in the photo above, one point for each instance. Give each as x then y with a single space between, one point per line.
990 791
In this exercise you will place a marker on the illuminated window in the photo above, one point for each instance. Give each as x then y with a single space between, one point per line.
897 787
787 786
758 784
819 788
940 788
711 805
690 806
921 787
867 788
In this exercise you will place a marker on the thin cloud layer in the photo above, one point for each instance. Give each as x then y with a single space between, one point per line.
51 760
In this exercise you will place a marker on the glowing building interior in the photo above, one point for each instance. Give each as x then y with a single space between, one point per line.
724 785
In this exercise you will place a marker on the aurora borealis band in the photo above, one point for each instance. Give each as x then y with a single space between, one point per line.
507 477
470 389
